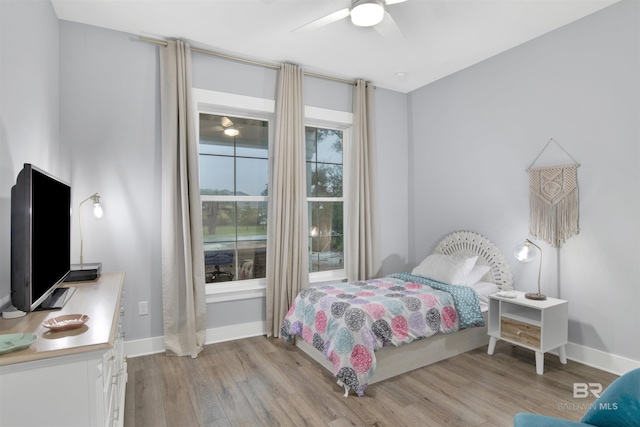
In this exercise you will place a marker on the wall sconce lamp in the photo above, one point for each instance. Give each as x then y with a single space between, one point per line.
525 252
97 212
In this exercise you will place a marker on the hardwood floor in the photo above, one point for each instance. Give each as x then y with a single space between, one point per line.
264 382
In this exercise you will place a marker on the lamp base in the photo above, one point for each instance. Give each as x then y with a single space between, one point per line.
536 296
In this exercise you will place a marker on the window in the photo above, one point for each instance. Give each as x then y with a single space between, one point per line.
234 190
325 198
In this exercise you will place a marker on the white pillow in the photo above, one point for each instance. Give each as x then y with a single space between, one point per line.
451 269
475 275
484 289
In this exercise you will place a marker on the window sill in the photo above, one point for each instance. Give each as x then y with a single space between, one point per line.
234 291
332 276
249 289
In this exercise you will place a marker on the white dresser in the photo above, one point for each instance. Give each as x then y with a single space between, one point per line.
68 378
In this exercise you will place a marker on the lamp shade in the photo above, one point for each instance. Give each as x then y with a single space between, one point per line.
367 13
525 251
97 210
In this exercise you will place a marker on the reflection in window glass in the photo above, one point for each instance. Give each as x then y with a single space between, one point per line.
233 188
326 237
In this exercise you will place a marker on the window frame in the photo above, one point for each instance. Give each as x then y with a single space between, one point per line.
343 121
223 103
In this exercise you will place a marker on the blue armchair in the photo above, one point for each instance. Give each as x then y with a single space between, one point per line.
618 406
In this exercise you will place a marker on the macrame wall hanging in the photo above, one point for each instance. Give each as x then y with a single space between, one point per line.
553 201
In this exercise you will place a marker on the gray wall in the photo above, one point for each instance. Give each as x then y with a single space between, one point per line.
474 133
28 107
110 121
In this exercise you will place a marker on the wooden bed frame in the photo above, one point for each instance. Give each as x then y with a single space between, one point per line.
392 361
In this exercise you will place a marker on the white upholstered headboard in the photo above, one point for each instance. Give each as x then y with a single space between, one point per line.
468 243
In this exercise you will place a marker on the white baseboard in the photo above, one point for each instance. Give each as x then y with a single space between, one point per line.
154 345
144 347
601 360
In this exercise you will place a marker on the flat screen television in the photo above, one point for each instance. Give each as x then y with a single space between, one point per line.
40 238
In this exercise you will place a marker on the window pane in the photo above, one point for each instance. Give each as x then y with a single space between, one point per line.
219 262
311 180
253 139
235 240
216 175
219 221
326 240
252 220
212 137
252 177
329 149
252 259
328 181
310 137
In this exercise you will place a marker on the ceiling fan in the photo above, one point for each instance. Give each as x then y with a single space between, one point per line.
225 125
363 13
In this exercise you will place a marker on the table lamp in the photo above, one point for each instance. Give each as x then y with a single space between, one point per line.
525 252
89 271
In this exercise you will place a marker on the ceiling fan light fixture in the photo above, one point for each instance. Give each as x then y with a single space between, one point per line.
367 13
231 132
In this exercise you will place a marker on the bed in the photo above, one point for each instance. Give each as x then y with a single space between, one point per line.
367 331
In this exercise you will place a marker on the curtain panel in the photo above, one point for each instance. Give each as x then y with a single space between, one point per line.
183 283
363 248
287 226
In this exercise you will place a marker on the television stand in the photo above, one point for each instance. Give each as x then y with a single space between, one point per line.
57 299
77 377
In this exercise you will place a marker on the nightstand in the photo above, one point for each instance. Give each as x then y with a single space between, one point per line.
540 326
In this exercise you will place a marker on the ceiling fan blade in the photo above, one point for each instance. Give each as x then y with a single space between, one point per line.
389 29
325 20
388 2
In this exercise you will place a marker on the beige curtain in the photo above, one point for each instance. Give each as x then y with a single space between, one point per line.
183 292
287 227
363 252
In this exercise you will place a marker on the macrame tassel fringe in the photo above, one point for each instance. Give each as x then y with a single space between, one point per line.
556 223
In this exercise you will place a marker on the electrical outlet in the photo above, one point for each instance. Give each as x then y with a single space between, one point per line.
143 308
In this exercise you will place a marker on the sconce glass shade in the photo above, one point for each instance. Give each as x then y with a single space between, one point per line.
526 252
367 13
97 210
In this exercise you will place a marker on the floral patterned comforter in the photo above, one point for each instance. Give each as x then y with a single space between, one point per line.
348 322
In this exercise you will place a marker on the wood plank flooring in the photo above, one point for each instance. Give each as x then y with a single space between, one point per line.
264 382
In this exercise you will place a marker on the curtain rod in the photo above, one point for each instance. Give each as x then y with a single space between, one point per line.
247 61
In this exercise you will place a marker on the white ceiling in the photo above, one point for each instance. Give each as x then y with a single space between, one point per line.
442 36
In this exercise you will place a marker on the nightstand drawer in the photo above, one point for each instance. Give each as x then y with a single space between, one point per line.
520 332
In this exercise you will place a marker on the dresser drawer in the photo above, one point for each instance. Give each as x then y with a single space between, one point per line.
520 332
